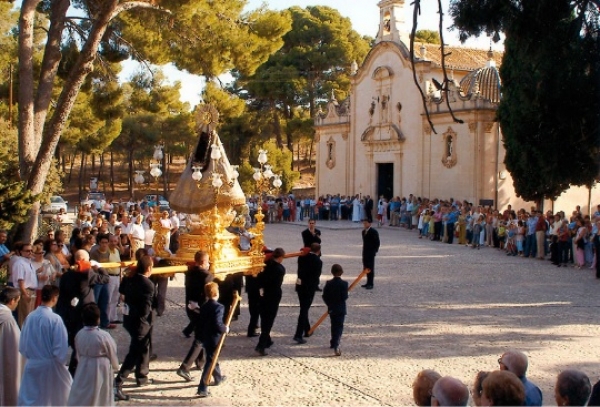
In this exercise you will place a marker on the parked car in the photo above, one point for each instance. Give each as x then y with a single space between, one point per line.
163 204
56 204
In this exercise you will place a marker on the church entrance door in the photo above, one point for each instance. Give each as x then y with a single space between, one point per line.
385 180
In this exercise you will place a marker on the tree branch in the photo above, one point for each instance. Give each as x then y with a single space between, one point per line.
445 87
416 13
135 4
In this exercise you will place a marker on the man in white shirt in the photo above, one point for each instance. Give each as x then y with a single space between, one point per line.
136 232
25 279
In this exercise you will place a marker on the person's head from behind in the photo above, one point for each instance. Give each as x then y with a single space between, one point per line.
278 254
315 248
502 388
514 361
49 295
572 388
423 385
145 265
10 297
90 315
139 253
449 391
337 270
211 290
478 387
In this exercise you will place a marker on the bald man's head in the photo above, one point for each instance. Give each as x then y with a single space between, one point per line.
515 362
449 391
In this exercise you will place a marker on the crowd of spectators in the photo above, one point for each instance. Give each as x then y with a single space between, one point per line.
507 386
566 240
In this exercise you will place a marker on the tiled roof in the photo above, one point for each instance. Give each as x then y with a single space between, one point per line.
460 58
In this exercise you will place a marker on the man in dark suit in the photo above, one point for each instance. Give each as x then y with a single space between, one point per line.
309 272
269 283
253 292
311 234
77 290
371 243
369 208
139 295
210 327
335 295
195 279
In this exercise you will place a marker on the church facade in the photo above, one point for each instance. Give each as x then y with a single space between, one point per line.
380 140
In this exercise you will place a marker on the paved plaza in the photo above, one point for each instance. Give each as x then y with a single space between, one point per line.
434 306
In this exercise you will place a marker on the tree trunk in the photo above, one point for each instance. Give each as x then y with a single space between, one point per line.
130 173
27 151
71 167
100 169
52 132
81 171
277 127
112 173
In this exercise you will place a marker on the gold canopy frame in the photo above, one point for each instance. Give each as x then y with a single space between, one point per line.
210 209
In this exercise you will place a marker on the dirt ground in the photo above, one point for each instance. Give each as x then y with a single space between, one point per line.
436 306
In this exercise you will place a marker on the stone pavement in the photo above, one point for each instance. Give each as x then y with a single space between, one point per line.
437 306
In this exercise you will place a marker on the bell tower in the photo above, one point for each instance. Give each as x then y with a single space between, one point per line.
391 22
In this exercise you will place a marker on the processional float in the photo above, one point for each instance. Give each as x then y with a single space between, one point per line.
209 192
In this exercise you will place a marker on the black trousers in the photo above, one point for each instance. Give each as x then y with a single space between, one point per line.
194 355
268 313
138 357
337 328
210 354
369 263
450 230
306 299
253 293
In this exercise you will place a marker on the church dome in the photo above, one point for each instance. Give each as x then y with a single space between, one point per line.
484 81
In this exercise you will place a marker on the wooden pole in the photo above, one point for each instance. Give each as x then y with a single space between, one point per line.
354 283
236 299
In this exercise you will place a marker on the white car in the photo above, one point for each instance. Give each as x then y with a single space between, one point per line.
98 199
56 204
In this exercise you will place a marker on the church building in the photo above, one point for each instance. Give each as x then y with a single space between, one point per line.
380 141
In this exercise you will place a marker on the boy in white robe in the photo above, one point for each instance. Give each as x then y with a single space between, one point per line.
97 357
11 362
46 380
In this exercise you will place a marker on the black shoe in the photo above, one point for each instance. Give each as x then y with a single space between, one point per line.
308 335
216 383
364 285
186 334
338 351
144 382
202 394
198 363
184 374
252 334
119 395
271 343
154 356
261 351
299 340
369 287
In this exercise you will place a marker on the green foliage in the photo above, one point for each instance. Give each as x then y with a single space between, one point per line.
428 36
550 98
205 37
15 198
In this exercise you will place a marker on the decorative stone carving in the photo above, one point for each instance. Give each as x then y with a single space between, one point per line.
449 158
330 158
473 127
427 129
488 126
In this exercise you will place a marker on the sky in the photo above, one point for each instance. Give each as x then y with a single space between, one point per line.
364 15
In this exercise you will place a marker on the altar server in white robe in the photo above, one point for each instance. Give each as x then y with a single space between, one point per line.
11 361
97 357
46 380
